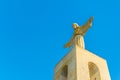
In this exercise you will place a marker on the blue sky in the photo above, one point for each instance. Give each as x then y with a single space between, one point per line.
33 32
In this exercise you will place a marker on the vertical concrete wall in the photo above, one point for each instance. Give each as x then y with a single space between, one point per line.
77 61
83 57
70 61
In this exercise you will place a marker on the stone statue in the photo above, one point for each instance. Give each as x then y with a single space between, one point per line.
79 32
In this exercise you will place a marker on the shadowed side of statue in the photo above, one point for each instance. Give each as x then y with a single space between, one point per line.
79 30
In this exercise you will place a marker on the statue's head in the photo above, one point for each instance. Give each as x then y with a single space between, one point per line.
75 25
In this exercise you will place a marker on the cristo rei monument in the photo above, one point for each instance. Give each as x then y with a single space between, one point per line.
80 64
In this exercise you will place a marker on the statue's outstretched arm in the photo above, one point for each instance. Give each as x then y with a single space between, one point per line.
70 43
87 25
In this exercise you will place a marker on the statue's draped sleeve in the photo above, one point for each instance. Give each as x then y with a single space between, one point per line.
86 26
70 43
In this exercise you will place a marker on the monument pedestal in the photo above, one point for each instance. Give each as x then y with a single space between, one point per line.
80 64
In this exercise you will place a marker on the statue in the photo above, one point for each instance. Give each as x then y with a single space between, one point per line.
79 30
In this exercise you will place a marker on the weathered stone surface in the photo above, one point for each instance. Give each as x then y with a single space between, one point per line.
78 60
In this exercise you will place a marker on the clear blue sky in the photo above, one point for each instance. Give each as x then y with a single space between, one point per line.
33 32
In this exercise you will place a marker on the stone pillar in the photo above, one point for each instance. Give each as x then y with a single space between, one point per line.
80 64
